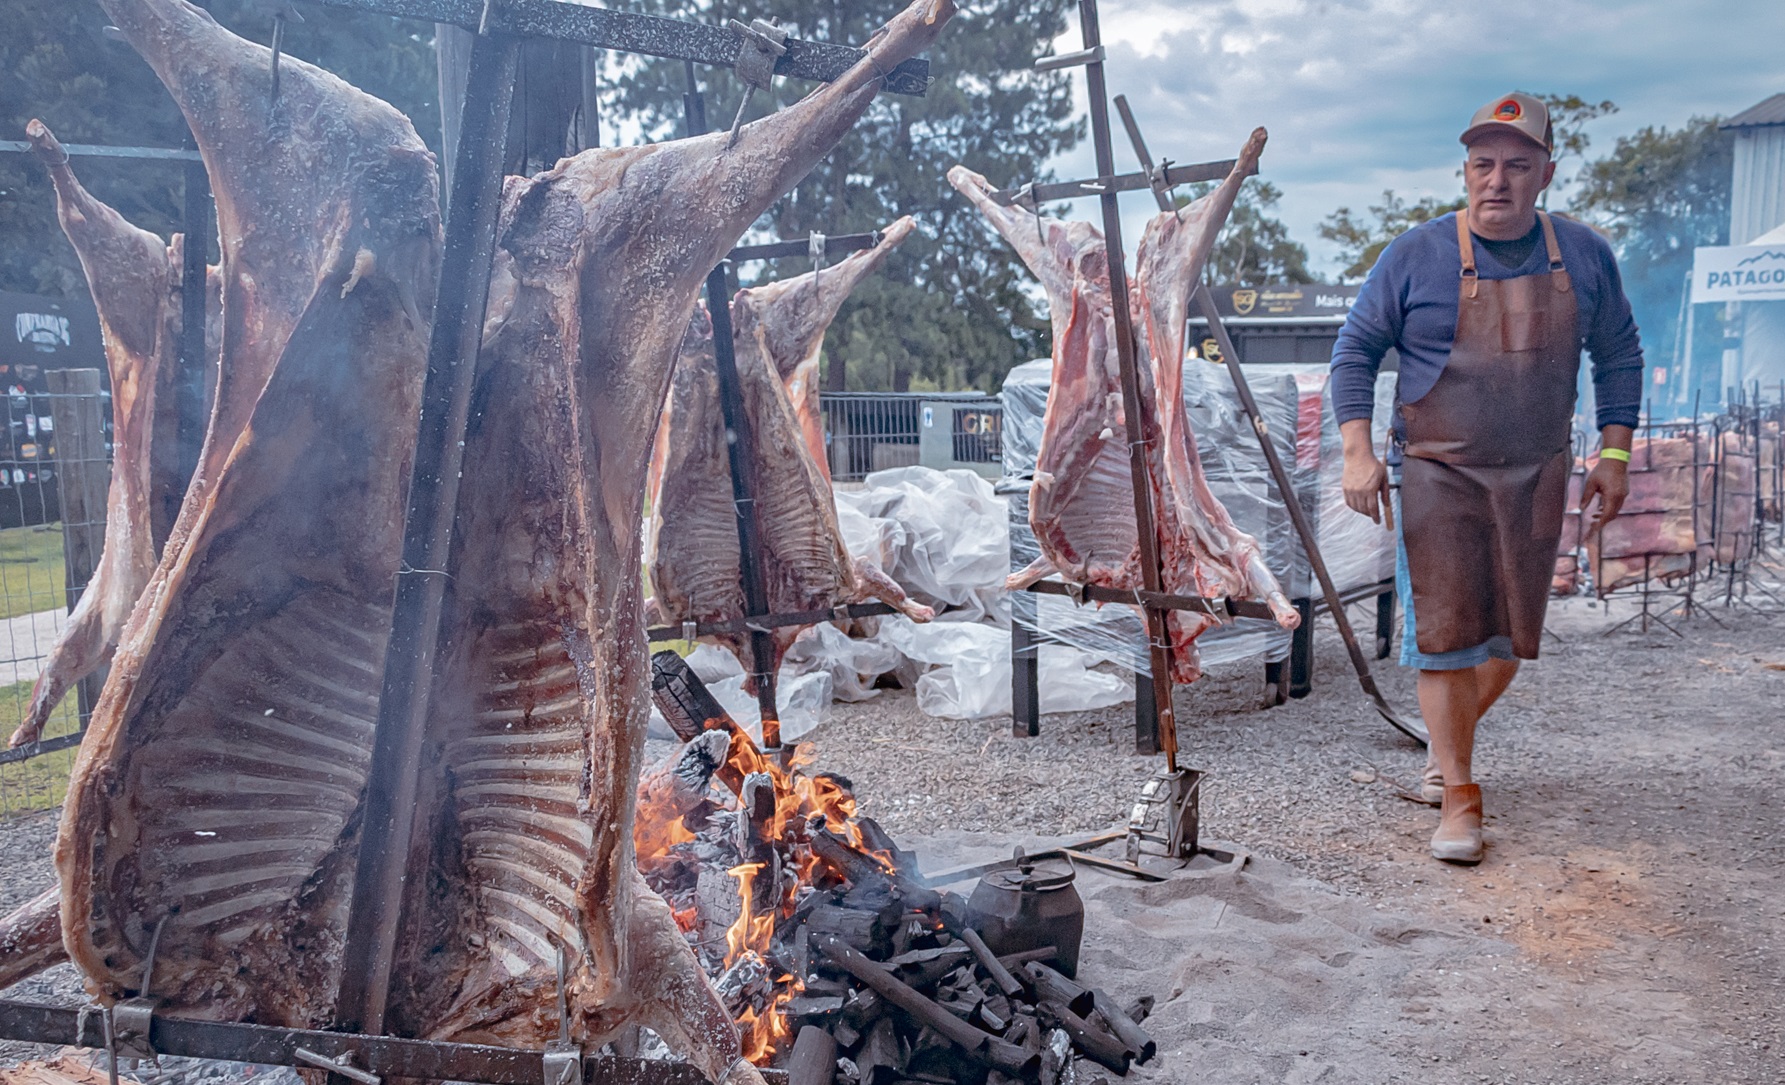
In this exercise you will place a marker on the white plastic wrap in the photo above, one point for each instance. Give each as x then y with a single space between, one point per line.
940 534
968 675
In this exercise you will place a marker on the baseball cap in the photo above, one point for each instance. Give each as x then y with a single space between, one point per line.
1521 113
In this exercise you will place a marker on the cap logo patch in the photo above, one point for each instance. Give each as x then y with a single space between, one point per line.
1509 110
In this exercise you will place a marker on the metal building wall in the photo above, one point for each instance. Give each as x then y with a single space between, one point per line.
1757 193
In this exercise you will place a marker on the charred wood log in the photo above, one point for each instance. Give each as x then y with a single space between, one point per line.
1140 1045
863 931
1015 961
1093 1042
1051 986
1140 1009
882 1058
982 1047
994 968
813 1060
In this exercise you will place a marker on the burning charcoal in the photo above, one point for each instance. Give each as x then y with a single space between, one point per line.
806 1005
997 1077
1056 1060
863 1007
745 985
1093 1042
1051 986
1140 1046
1024 1031
951 954
848 1073
863 930
813 1060
882 1057
676 787
994 1013
879 842
847 1035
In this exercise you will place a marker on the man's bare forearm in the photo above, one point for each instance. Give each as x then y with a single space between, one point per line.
1355 437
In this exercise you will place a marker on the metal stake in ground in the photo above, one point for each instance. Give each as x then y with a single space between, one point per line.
1141 427
1297 515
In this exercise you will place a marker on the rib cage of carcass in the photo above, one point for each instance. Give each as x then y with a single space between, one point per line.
214 808
1081 504
778 332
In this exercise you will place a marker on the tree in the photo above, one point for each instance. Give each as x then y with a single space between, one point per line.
1361 240
1659 194
1568 117
1254 247
952 307
57 64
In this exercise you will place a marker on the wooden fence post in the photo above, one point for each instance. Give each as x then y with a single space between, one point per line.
83 480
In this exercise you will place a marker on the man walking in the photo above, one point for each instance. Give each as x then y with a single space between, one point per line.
1489 309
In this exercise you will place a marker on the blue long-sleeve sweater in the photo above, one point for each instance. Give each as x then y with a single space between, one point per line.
1409 302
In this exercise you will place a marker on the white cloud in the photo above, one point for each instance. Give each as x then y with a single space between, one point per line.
1362 95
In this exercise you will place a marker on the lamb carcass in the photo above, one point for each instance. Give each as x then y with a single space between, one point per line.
778 331
135 282
1663 531
1081 503
214 796
543 702
214 801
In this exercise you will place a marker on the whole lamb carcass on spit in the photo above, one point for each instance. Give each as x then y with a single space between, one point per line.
213 806
135 282
1081 502
778 329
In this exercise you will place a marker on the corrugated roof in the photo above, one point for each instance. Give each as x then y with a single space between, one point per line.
1771 111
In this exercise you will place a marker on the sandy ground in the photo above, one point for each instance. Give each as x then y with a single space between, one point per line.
1628 925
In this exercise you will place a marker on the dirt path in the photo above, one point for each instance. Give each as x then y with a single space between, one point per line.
1628 925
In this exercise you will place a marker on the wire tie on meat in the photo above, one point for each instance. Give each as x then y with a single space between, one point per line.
690 630
111 1046
406 569
815 249
840 615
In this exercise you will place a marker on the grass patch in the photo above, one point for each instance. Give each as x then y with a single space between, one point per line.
31 570
41 782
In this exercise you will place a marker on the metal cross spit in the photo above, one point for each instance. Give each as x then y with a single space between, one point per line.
1171 797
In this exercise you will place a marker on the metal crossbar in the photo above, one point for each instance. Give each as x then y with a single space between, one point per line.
647 35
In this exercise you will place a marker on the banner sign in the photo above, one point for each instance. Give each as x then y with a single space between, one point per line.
1738 273
1286 301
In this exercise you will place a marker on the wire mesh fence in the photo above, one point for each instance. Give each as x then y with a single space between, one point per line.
55 472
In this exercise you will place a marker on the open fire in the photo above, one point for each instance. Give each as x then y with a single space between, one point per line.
807 914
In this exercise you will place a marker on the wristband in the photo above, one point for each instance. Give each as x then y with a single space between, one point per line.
1622 455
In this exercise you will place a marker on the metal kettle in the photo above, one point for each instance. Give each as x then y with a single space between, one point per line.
1028 906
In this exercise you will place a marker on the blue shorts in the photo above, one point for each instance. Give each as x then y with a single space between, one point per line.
1411 656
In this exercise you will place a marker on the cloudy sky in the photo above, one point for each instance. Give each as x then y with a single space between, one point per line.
1362 95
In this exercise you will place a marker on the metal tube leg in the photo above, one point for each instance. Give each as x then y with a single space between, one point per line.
1025 672
1385 623
1301 652
1146 715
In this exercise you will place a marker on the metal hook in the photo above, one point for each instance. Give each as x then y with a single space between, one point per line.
285 11
762 44
815 249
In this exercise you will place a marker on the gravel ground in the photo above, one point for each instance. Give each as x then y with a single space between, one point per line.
1627 925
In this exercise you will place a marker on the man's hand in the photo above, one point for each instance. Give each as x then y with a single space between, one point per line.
1365 477
1609 480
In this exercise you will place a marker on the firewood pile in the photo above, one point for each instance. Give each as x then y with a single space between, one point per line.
836 959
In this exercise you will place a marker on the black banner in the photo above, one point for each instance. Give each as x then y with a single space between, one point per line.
1285 301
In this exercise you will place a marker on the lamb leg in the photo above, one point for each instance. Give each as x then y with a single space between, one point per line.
128 274
31 939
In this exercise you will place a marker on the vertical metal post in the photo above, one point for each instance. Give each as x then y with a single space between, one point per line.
1025 673
194 372
739 446
391 788
1142 429
1146 716
1301 651
83 479
1385 623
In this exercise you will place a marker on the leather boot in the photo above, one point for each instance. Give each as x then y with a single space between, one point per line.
1431 785
1458 839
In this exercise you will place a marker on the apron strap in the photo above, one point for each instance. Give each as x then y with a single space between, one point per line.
1558 275
1466 247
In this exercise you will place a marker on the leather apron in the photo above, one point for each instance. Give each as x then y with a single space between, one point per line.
1485 477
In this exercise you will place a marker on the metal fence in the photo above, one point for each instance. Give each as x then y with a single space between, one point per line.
866 432
55 472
